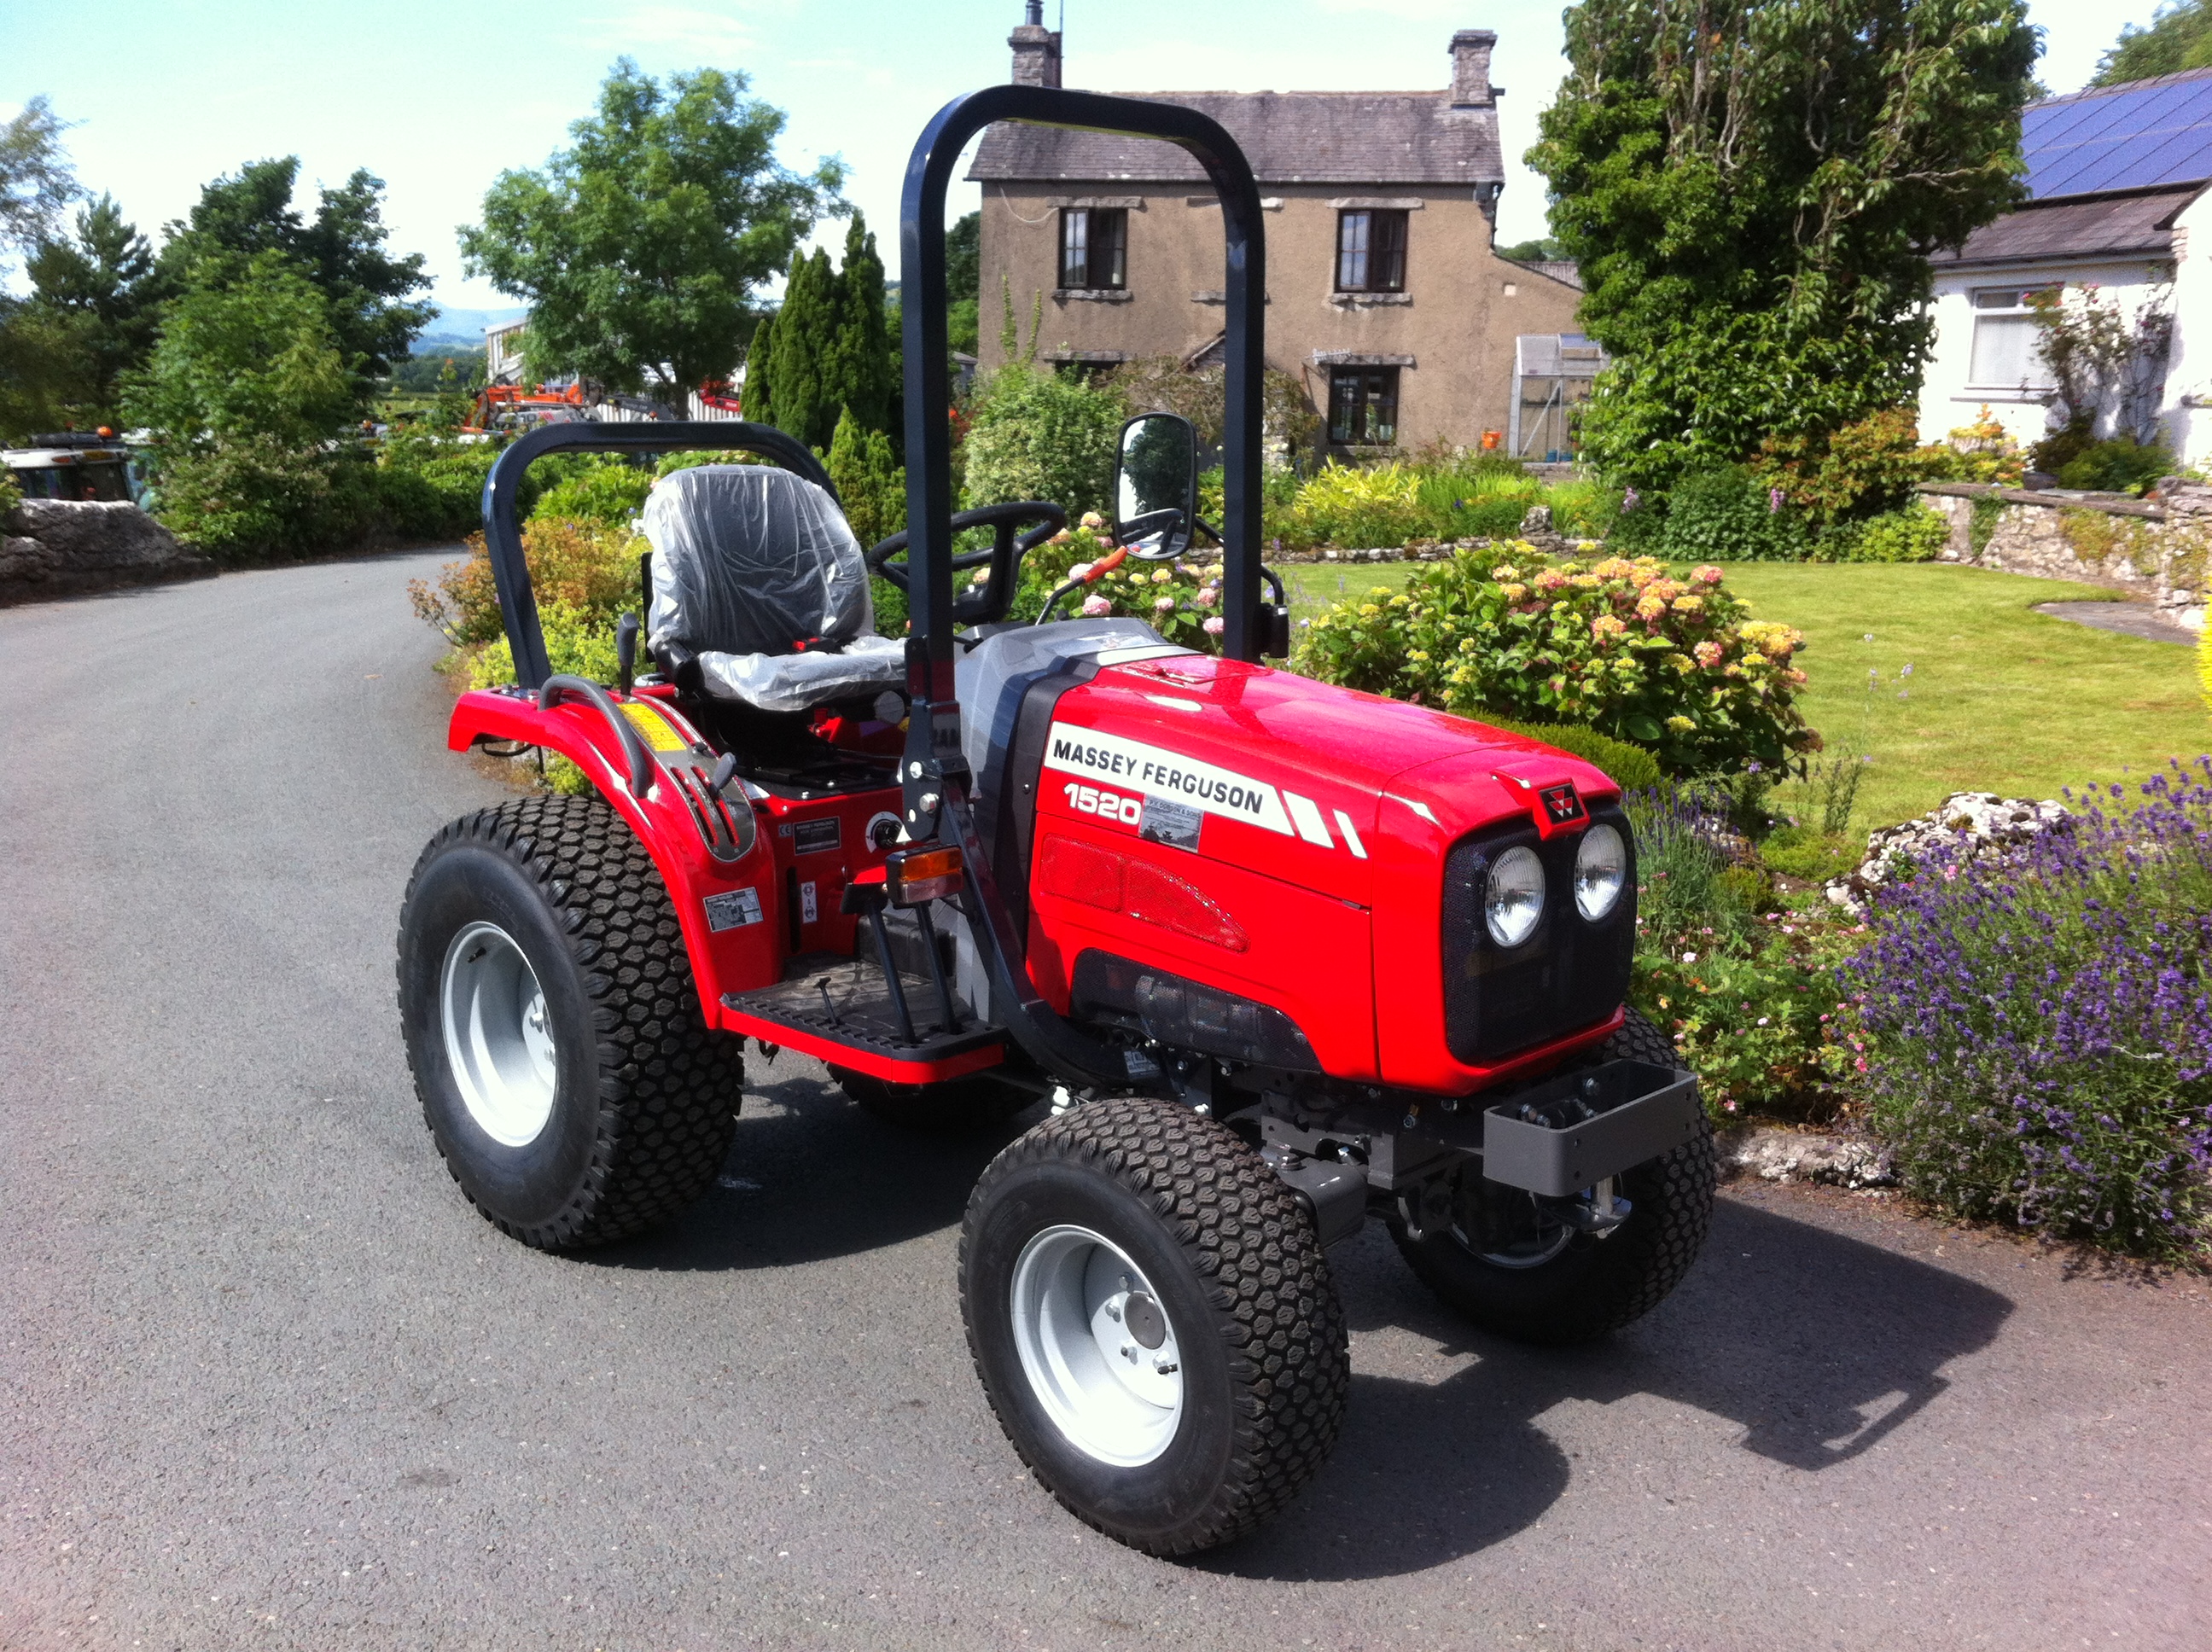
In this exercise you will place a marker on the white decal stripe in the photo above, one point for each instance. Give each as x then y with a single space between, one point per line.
1310 825
1350 836
1136 767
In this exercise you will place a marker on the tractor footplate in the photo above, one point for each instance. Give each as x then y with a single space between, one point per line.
840 1010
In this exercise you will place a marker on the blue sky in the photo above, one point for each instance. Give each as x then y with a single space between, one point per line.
437 99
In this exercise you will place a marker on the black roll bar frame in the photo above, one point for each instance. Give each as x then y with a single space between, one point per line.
502 519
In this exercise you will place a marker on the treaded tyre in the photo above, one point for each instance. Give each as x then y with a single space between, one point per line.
1558 1286
565 1070
956 1107
1154 1323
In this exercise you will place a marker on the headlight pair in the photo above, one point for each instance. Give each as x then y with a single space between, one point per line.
1513 899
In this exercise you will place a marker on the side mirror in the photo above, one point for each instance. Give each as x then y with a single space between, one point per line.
1156 486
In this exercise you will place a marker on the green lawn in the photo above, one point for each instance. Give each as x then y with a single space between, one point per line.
1999 698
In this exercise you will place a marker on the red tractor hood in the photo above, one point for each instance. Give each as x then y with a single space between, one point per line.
1296 779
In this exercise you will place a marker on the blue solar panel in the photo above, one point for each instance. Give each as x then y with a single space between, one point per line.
2131 137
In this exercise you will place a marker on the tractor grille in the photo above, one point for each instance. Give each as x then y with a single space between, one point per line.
1569 975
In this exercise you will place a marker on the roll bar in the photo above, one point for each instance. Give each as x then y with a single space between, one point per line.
929 446
502 519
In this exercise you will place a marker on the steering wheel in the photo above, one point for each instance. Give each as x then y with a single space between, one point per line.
972 604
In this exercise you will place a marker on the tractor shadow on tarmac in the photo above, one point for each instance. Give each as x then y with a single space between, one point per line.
812 1176
1819 1347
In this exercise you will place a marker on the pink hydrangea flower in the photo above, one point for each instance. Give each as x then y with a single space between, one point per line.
1205 596
1214 626
1097 607
1709 654
1163 604
1706 574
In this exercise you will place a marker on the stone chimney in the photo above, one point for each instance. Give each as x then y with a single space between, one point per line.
1470 51
1036 49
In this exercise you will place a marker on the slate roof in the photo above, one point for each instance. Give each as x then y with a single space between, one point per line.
2139 135
1290 137
2084 227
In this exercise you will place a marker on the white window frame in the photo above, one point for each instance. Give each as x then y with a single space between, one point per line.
2017 313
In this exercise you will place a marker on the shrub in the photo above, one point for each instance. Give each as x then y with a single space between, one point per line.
10 495
431 487
1747 994
1676 665
870 481
2120 465
592 571
2037 1026
1358 507
1915 534
1037 435
1476 502
1729 516
577 643
610 493
1980 451
256 496
1859 470
1178 599
1629 765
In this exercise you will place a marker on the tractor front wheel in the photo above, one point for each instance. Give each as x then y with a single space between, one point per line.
564 1067
1154 1323
1509 1264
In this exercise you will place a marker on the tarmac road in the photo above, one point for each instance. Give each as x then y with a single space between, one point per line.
269 1383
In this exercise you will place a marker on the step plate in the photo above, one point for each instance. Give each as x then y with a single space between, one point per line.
839 1012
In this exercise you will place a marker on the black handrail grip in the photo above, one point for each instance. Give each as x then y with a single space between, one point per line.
555 689
502 519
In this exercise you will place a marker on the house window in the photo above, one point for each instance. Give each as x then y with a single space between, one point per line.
2007 350
1094 247
1371 252
1363 406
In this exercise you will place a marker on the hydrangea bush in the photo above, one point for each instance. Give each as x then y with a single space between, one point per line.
1676 665
1180 599
2037 1040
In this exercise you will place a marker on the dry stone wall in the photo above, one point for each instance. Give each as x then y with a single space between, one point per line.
2155 550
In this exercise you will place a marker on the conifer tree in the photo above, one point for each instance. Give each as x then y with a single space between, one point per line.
806 330
858 376
759 398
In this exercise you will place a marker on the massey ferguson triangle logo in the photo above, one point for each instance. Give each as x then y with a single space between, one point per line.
1561 806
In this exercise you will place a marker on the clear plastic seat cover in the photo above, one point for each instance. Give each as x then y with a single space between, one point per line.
748 563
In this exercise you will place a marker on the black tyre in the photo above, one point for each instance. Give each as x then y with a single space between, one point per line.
1514 1271
956 1107
556 1037
1154 1323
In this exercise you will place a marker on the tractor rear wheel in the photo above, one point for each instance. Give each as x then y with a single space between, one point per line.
1513 1269
565 1070
1154 1323
955 1107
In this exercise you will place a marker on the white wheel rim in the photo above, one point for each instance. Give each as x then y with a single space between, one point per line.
1082 1314
497 1042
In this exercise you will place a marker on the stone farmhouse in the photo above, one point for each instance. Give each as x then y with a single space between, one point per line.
1386 295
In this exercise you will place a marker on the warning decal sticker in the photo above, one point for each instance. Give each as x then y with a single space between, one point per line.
734 910
652 725
1151 769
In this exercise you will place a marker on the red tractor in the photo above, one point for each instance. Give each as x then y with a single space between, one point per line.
1279 954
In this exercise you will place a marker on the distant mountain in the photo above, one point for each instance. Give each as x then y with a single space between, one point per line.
462 328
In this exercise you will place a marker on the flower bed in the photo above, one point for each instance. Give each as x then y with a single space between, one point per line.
2038 1025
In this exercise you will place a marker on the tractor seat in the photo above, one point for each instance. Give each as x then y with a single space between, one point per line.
756 572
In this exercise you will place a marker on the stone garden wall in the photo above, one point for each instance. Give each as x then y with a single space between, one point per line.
2153 549
58 547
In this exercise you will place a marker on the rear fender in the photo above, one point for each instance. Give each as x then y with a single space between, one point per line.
730 910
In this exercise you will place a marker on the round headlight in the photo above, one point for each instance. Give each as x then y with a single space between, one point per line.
1601 869
1514 899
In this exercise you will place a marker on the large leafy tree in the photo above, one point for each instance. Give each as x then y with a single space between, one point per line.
638 249
254 359
35 180
98 295
373 308
1751 187
2179 38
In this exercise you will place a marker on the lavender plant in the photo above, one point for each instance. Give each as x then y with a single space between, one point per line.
2037 1026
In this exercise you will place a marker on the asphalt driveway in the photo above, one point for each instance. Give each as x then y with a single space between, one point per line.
266 1380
